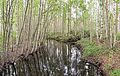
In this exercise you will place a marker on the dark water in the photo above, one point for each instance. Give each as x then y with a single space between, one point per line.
52 59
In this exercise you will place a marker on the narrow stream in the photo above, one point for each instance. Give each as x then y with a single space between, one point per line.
52 59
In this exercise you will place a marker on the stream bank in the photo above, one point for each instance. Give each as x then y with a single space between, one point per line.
52 59
97 54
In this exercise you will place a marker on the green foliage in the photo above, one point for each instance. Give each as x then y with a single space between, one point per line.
118 36
0 4
117 1
14 35
115 73
86 14
90 48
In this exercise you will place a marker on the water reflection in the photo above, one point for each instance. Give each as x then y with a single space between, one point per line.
53 59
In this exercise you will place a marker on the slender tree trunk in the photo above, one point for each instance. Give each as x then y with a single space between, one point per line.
116 24
107 23
68 19
91 32
102 20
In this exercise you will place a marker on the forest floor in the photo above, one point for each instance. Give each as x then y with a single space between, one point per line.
95 52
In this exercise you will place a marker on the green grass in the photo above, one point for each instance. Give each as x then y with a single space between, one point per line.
90 48
115 72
